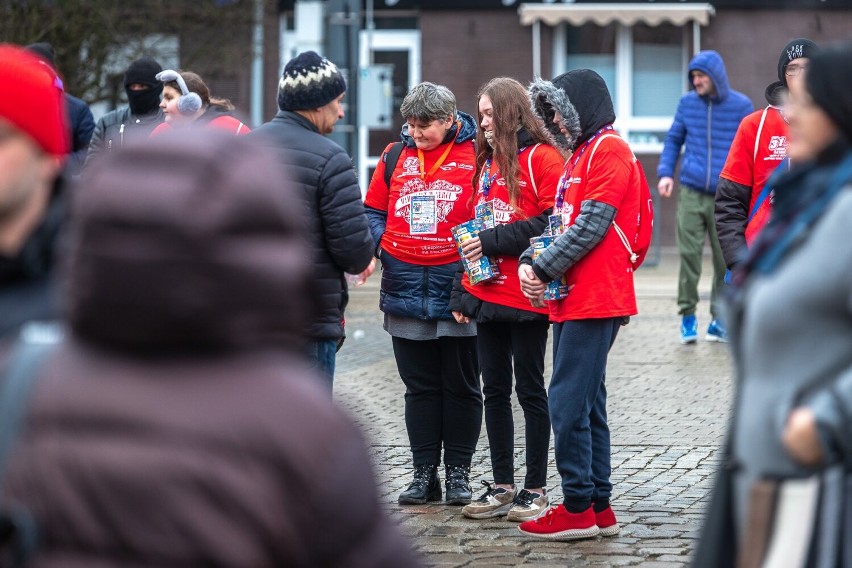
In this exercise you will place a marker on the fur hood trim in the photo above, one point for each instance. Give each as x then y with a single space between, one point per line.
545 100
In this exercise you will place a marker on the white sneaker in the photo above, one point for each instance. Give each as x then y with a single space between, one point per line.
495 502
528 505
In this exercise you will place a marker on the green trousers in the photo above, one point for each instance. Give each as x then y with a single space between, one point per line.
695 218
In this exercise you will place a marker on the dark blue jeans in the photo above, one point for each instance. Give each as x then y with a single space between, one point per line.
322 354
577 399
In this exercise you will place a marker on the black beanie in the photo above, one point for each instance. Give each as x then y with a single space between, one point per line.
795 48
144 71
309 81
44 51
827 81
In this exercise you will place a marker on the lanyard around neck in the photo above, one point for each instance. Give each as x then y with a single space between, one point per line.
421 158
568 171
486 178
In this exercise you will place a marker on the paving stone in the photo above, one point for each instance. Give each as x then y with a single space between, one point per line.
667 406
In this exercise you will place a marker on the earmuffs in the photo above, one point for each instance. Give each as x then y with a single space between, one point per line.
188 103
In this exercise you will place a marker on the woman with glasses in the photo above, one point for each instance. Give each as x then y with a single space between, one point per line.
743 200
791 324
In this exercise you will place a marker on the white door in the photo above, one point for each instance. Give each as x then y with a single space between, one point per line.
401 48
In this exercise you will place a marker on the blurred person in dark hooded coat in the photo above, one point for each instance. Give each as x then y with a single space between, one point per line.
179 423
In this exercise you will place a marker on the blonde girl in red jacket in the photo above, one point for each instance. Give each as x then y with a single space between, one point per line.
518 170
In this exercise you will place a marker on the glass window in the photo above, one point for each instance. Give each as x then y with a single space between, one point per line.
592 47
658 73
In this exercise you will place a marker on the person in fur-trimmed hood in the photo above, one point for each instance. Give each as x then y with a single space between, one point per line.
592 195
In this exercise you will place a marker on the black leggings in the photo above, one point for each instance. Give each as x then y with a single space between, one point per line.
500 345
443 404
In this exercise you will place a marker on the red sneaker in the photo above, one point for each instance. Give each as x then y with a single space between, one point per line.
559 524
606 522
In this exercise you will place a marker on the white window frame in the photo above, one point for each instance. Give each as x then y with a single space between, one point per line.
384 40
625 122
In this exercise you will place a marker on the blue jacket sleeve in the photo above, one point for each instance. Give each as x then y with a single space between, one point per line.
674 141
378 221
83 125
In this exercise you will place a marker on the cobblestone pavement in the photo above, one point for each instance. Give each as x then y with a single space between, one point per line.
668 407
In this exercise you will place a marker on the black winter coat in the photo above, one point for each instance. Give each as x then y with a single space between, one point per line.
116 127
338 229
27 283
82 127
732 211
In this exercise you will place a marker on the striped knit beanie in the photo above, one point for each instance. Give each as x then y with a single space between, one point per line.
309 81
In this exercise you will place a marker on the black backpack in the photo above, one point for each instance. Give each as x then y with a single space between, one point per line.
390 159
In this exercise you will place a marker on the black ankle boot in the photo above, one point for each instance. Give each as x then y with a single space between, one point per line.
458 485
425 487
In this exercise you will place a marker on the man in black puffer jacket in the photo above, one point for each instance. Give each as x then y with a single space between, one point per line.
309 98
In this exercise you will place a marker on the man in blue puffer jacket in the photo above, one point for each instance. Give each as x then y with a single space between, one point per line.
705 122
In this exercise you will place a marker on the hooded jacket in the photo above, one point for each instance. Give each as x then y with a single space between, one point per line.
179 425
82 126
597 192
706 126
414 289
332 208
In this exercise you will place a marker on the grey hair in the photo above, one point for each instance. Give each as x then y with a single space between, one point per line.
427 102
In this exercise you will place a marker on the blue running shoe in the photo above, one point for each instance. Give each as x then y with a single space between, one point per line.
716 332
688 329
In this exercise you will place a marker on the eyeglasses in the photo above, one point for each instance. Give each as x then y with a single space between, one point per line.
793 70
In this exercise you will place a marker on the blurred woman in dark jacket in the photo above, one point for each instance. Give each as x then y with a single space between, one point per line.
410 218
178 425
791 322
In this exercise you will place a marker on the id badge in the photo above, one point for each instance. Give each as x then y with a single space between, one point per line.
424 215
485 211
555 224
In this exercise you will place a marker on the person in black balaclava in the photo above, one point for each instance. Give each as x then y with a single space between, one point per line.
139 118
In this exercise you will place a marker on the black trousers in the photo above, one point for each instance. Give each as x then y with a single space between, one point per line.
501 346
443 403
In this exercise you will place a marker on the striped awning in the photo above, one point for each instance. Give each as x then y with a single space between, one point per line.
626 14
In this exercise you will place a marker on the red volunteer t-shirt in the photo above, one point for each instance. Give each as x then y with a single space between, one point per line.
601 283
751 165
450 188
505 290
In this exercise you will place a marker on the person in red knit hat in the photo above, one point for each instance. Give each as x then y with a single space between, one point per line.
187 101
34 142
